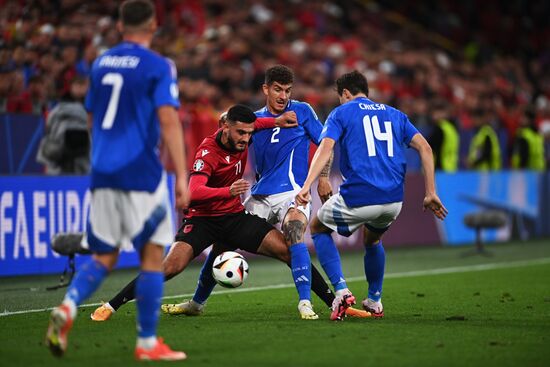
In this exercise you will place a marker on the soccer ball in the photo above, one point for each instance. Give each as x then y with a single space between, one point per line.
230 269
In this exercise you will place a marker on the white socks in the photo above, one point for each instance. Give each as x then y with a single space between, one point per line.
147 343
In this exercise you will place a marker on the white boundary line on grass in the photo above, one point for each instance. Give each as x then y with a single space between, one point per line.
407 274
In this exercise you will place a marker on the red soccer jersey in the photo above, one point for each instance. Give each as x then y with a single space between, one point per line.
223 167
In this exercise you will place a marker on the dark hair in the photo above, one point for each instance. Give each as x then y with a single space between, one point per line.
240 113
134 13
355 82
280 74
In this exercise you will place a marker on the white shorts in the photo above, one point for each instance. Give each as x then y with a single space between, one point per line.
118 218
273 208
336 215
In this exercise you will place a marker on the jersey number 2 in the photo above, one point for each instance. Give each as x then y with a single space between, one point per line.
372 131
116 80
276 131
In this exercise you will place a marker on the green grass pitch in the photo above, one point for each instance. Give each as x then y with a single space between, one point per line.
442 309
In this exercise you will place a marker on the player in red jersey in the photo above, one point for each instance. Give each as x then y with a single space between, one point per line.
216 214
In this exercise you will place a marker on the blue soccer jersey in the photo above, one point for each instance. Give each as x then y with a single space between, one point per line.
282 154
127 85
372 140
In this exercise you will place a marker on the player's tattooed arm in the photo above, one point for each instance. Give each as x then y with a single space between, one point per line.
324 188
326 170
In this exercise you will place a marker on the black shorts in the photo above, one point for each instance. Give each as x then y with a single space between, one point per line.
235 231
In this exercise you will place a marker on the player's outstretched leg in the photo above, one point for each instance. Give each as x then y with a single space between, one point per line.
173 265
106 310
85 282
374 263
205 286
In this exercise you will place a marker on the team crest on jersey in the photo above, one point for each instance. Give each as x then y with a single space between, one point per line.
188 228
198 165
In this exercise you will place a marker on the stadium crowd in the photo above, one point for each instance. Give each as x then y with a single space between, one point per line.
478 66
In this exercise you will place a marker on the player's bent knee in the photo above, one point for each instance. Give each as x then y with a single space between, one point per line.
371 238
316 226
293 231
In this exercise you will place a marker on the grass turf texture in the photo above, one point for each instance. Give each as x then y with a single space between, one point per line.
495 317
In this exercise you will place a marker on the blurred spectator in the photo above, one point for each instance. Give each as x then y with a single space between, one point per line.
484 153
5 85
493 56
528 149
33 100
444 139
85 63
17 102
65 148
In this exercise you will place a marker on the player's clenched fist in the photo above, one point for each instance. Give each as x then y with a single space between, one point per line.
287 119
303 197
239 187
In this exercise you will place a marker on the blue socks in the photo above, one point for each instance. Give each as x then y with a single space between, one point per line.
330 259
374 261
300 264
149 287
86 281
206 281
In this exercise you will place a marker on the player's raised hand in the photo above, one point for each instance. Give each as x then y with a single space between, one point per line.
182 193
239 187
303 197
324 189
287 119
433 203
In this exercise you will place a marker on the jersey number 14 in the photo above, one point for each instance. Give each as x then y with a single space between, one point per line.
372 131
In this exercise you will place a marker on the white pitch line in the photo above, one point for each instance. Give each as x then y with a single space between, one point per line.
407 274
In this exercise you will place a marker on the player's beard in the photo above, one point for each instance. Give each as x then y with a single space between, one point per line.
233 144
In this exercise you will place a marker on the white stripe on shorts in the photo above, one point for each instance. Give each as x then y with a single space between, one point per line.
273 208
336 215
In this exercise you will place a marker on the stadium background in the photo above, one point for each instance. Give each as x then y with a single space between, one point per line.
490 58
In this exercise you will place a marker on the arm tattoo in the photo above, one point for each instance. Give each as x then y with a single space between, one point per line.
326 170
293 231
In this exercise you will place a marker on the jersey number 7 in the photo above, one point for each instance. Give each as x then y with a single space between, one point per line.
372 131
116 80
